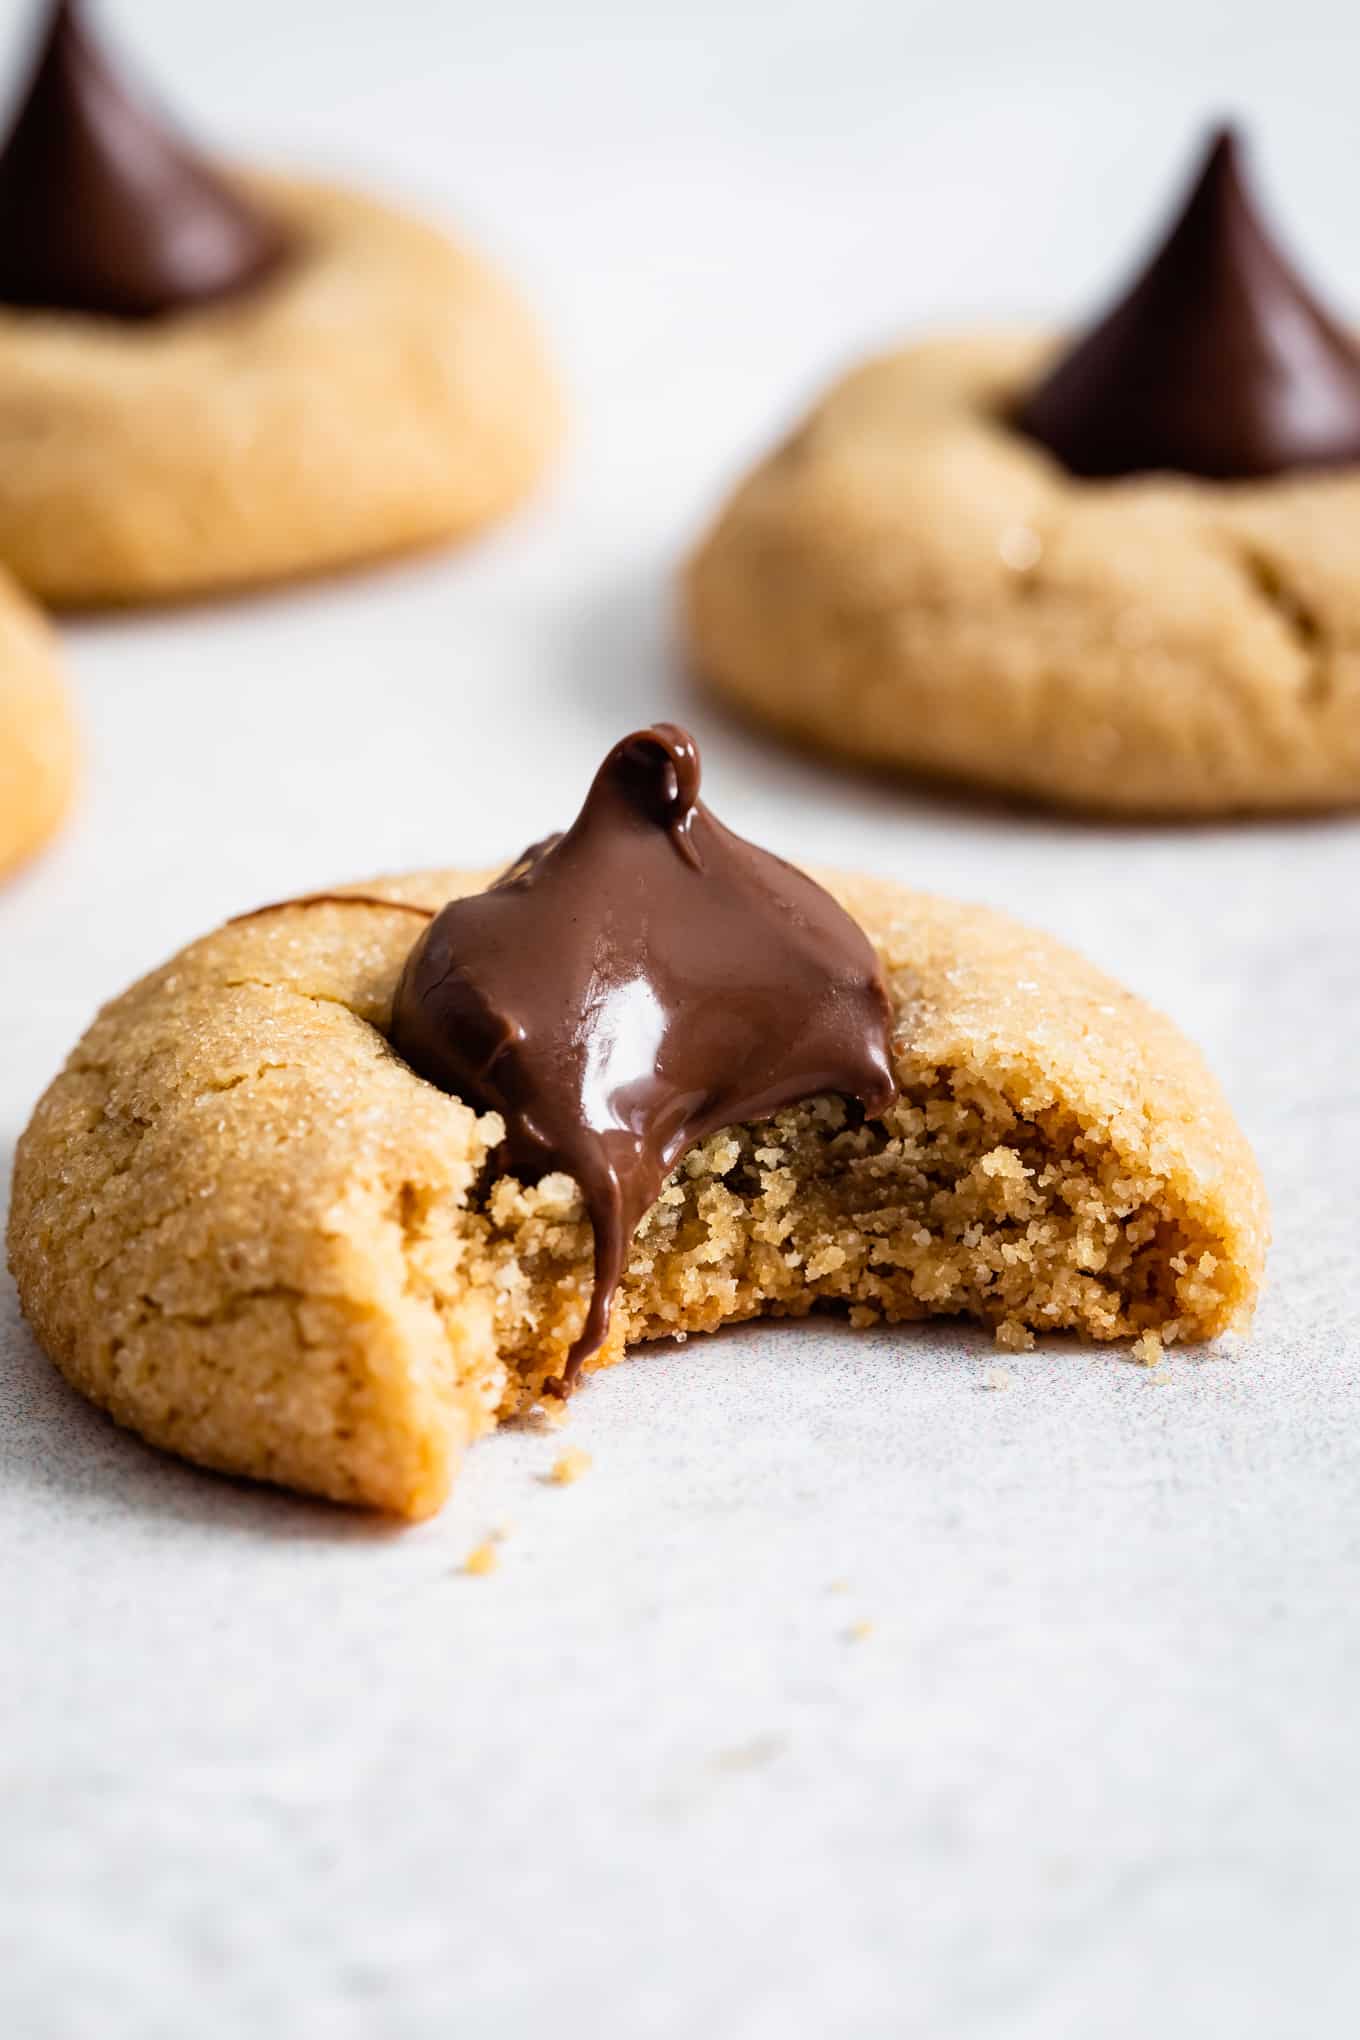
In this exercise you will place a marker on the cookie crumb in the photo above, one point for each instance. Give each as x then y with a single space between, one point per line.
859 1631
550 1414
484 1559
1148 1350
762 1749
570 1467
997 1377
839 1587
1013 1337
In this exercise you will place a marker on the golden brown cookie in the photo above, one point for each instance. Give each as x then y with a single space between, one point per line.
249 1231
381 390
37 732
911 582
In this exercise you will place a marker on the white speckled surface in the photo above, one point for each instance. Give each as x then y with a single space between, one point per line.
268 1769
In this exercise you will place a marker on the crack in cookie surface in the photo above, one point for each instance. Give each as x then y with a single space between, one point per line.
1270 580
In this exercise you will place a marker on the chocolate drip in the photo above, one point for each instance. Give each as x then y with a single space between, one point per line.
634 985
1218 362
103 209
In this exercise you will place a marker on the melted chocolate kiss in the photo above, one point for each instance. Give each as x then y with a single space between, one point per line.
636 984
1218 362
103 209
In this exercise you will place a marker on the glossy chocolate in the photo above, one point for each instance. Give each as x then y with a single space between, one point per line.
103 209
1218 361
636 984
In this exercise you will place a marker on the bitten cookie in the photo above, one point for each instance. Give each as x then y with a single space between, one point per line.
209 382
37 732
248 1229
1118 578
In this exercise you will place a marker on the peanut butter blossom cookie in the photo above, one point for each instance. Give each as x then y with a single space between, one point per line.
37 734
209 379
357 1176
1117 573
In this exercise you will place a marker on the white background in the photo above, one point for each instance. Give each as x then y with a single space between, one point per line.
269 1769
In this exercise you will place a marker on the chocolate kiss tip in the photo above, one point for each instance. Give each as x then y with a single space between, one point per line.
103 209
1224 146
659 767
1218 361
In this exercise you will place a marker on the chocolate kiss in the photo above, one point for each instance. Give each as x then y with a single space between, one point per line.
1218 362
630 987
103 209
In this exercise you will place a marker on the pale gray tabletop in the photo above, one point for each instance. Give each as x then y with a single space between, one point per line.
1093 1769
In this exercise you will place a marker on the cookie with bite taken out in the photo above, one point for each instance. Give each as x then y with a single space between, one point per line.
356 1177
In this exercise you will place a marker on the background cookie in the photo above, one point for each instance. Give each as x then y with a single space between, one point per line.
253 1234
910 581
383 390
37 734
208 379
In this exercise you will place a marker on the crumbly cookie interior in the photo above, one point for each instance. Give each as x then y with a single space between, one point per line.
956 1206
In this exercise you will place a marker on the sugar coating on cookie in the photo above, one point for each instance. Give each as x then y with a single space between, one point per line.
247 1229
37 731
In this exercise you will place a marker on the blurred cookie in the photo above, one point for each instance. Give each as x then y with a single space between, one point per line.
211 381
37 733
244 1224
1119 577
